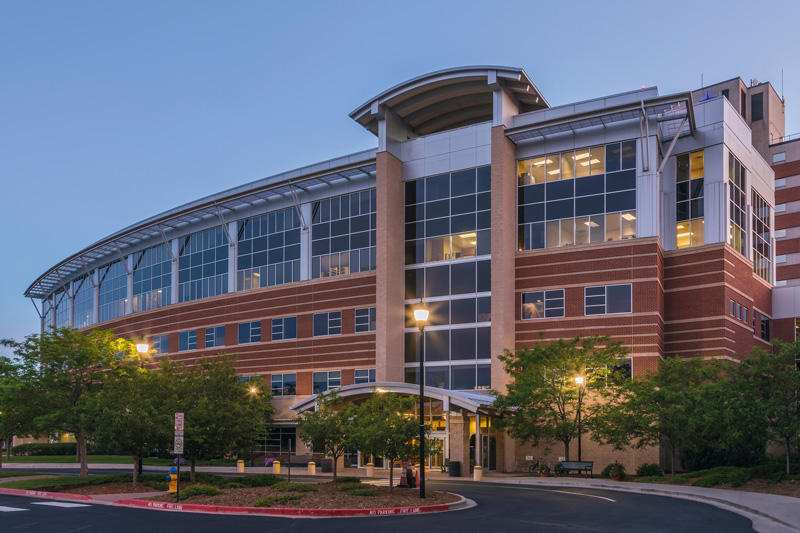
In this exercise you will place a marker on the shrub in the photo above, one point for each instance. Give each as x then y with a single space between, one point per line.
613 469
649 470
256 480
723 474
157 485
285 486
351 486
282 499
199 490
43 448
364 491
649 479
233 486
348 479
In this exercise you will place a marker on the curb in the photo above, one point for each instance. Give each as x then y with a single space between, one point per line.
43 494
297 513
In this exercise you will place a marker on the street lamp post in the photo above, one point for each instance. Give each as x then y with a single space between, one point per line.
141 347
579 381
421 316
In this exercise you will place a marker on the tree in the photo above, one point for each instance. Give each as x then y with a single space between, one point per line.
771 382
384 428
15 415
63 368
132 413
544 401
221 414
328 429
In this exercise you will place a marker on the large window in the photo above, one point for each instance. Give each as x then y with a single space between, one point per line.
448 216
364 375
284 384
577 197
284 328
455 377
203 265
325 381
454 279
543 304
215 337
765 325
762 263
161 344
62 308
152 278
83 302
113 293
187 340
737 236
343 235
608 300
328 323
249 332
268 250
365 319
689 196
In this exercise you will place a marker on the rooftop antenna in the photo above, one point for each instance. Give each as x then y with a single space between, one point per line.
782 100
701 80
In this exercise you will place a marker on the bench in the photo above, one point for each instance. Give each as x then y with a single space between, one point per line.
579 466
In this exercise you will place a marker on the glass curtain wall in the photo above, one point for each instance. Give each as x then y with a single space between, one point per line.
152 278
343 234
690 225
577 197
83 302
448 262
203 265
268 251
62 308
762 262
737 236
113 292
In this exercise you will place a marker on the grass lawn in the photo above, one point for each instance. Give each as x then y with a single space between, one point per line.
20 474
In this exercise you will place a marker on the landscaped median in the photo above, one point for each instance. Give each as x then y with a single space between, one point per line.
260 494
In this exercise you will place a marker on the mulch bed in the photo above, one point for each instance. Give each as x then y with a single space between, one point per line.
328 496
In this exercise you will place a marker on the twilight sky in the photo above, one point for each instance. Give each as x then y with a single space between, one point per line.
111 112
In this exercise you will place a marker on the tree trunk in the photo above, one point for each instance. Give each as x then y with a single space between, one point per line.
335 461
135 457
81 442
391 476
1 454
191 471
8 448
672 459
788 455
566 450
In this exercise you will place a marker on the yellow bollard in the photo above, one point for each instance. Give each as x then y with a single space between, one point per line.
276 467
478 473
312 468
370 470
240 467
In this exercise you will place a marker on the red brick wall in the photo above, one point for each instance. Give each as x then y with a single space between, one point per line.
699 285
303 355
638 262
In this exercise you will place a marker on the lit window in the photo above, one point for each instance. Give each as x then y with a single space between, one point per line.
543 304
690 198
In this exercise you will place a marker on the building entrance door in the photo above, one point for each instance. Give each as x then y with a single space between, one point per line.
489 445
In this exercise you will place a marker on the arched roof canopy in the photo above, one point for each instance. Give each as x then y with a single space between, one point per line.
472 402
451 98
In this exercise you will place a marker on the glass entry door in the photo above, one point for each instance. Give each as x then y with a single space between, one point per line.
489 445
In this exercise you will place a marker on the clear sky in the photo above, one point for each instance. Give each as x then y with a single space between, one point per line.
111 112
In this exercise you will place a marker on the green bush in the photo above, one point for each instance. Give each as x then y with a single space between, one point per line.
285 486
613 469
157 485
348 479
199 490
256 480
364 491
43 448
351 486
233 486
282 499
722 474
649 479
649 470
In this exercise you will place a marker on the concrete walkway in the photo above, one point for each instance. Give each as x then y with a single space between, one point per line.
770 513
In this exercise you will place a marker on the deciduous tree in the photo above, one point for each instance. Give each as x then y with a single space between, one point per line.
329 428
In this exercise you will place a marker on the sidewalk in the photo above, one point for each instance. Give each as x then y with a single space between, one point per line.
769 513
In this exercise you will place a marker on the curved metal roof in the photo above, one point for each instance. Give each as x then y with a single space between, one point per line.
450 98
356 166
469 401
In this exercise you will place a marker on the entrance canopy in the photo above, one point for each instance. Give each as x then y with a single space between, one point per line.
472 402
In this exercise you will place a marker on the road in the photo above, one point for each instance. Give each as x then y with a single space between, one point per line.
500 508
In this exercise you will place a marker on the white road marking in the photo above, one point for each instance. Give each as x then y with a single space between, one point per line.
11 509
61 504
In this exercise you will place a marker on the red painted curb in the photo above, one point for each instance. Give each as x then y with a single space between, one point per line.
43 494
392 511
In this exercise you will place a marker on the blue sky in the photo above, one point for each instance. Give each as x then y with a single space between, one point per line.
111 112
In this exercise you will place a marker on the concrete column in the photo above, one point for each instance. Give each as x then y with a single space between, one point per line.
389 274
446 409
504 245
459 442
478 441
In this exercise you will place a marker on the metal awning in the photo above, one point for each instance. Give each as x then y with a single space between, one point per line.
667 111
473 402
355 167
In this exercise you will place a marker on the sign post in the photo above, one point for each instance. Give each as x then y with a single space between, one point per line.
178 450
